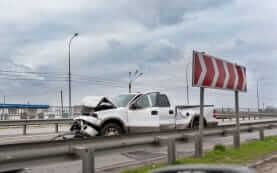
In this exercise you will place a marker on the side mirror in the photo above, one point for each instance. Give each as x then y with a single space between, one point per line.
133 106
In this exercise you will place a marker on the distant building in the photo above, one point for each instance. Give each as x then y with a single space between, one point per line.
22 111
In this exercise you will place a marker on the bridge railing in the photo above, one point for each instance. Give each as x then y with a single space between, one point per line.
25 123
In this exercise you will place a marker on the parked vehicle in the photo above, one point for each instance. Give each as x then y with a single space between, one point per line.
136 113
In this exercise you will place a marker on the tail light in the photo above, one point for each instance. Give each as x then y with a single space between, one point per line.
214 113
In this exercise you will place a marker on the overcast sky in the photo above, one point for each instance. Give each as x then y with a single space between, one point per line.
118 36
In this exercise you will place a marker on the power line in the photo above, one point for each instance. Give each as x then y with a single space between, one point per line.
32 72
28 79
93 77
97 80
55 75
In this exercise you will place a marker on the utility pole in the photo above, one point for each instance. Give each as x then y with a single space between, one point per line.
4 101
69 74
62 101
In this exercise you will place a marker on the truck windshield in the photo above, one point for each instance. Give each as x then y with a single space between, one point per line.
122 100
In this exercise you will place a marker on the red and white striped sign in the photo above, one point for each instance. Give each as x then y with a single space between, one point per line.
211 72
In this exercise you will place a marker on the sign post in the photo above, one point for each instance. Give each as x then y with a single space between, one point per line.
237 133
201 122
211 72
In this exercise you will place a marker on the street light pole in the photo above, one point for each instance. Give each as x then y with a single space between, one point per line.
135 76
258 96
187 66
259 93
69 74
129 84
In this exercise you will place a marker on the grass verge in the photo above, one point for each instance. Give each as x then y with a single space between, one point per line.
248 151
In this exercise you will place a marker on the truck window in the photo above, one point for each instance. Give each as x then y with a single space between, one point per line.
153 97
163 101
143 102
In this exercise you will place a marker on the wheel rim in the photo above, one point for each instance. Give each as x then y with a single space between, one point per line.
111 131
196 124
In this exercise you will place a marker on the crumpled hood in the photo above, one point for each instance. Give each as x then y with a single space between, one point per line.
95 101
115 111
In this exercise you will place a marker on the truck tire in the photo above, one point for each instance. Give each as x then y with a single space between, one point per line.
111 129
196 123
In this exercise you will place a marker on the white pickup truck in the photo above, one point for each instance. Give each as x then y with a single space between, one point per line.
136 113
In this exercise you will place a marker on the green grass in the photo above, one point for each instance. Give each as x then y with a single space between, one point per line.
248 151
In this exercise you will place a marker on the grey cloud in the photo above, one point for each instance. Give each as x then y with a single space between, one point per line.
158 13
156 37
161 51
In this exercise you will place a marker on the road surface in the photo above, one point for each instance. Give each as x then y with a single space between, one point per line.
116 160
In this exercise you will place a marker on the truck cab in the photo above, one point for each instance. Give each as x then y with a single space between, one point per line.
150 112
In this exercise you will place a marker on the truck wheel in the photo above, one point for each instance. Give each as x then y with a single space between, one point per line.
111 129
195 124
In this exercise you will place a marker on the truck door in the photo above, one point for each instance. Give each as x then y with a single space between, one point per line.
142 117
166 113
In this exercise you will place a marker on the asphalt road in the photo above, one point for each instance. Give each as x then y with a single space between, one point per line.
116 160
131 157
38 133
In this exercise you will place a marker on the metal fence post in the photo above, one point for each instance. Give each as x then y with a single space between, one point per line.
261 132
57 127
87 157
171 151
25 129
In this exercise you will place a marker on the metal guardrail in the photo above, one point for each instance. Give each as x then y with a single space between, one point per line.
56 122
23 155
245 115
27 122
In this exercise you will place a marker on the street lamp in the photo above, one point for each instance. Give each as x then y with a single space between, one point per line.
259 93
135 76
69 74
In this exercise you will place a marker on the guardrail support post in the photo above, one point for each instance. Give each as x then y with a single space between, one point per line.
171 151
57 127
248 113
198 146
25 129
87 157
236 140
261 132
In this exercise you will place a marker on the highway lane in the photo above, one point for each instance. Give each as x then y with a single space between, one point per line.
36 133
34 129
116 160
